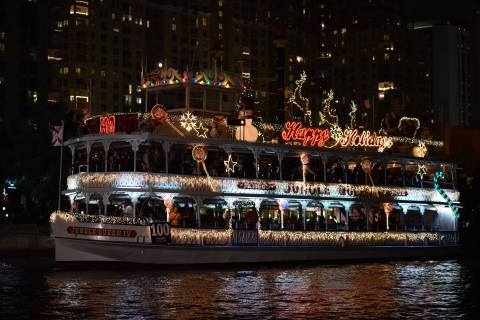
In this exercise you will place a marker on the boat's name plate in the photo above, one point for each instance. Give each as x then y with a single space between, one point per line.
160 232
87 231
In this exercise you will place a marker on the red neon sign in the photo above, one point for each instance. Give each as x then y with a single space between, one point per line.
293 131
107 124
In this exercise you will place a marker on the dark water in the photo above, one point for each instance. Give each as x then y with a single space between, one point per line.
414 289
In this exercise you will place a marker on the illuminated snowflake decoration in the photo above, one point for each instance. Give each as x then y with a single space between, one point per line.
422 149
422 170
188 121
336 132
230 164
201 131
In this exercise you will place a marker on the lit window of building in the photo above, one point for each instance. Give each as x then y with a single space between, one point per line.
386 56
78 70
82 10
220 13
220 3
174 27
148 23
220 26
344 30
204 21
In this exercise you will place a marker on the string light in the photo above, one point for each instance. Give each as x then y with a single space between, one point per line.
189 236
327 115
143 182
306 238
352 113
188 121
297 93
415 120
85 218
415 141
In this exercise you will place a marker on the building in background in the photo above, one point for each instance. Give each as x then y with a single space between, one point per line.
23 61
452 75
99 48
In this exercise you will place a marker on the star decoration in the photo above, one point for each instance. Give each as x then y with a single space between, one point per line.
230 164
201 131
188 121
422 170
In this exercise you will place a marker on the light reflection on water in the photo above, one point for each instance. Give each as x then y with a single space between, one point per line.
431 289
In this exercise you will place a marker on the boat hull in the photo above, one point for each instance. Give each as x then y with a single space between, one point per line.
84 250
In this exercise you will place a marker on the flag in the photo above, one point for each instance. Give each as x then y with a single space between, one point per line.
57 135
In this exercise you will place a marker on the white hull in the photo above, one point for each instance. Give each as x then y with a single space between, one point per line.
82 250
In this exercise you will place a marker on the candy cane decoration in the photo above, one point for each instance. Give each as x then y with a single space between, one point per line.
440 175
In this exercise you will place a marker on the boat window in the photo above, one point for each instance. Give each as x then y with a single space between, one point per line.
292 216
412 179
270 215
214 213
356 218
377 220
215 162
196 98
120 157
228 102
151 207
430 219
150 157
335 171
184 213
268 166
181 161
245 167
315 216
172 99
355 173
292 168
394 174
413 219
213 100
244 215
336 217
396 220
80 160
97 158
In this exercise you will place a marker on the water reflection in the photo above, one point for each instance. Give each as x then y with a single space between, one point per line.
433 289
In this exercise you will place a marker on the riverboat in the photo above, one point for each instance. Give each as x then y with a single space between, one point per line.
188 183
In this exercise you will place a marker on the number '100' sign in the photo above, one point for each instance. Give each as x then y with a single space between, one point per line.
160 232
